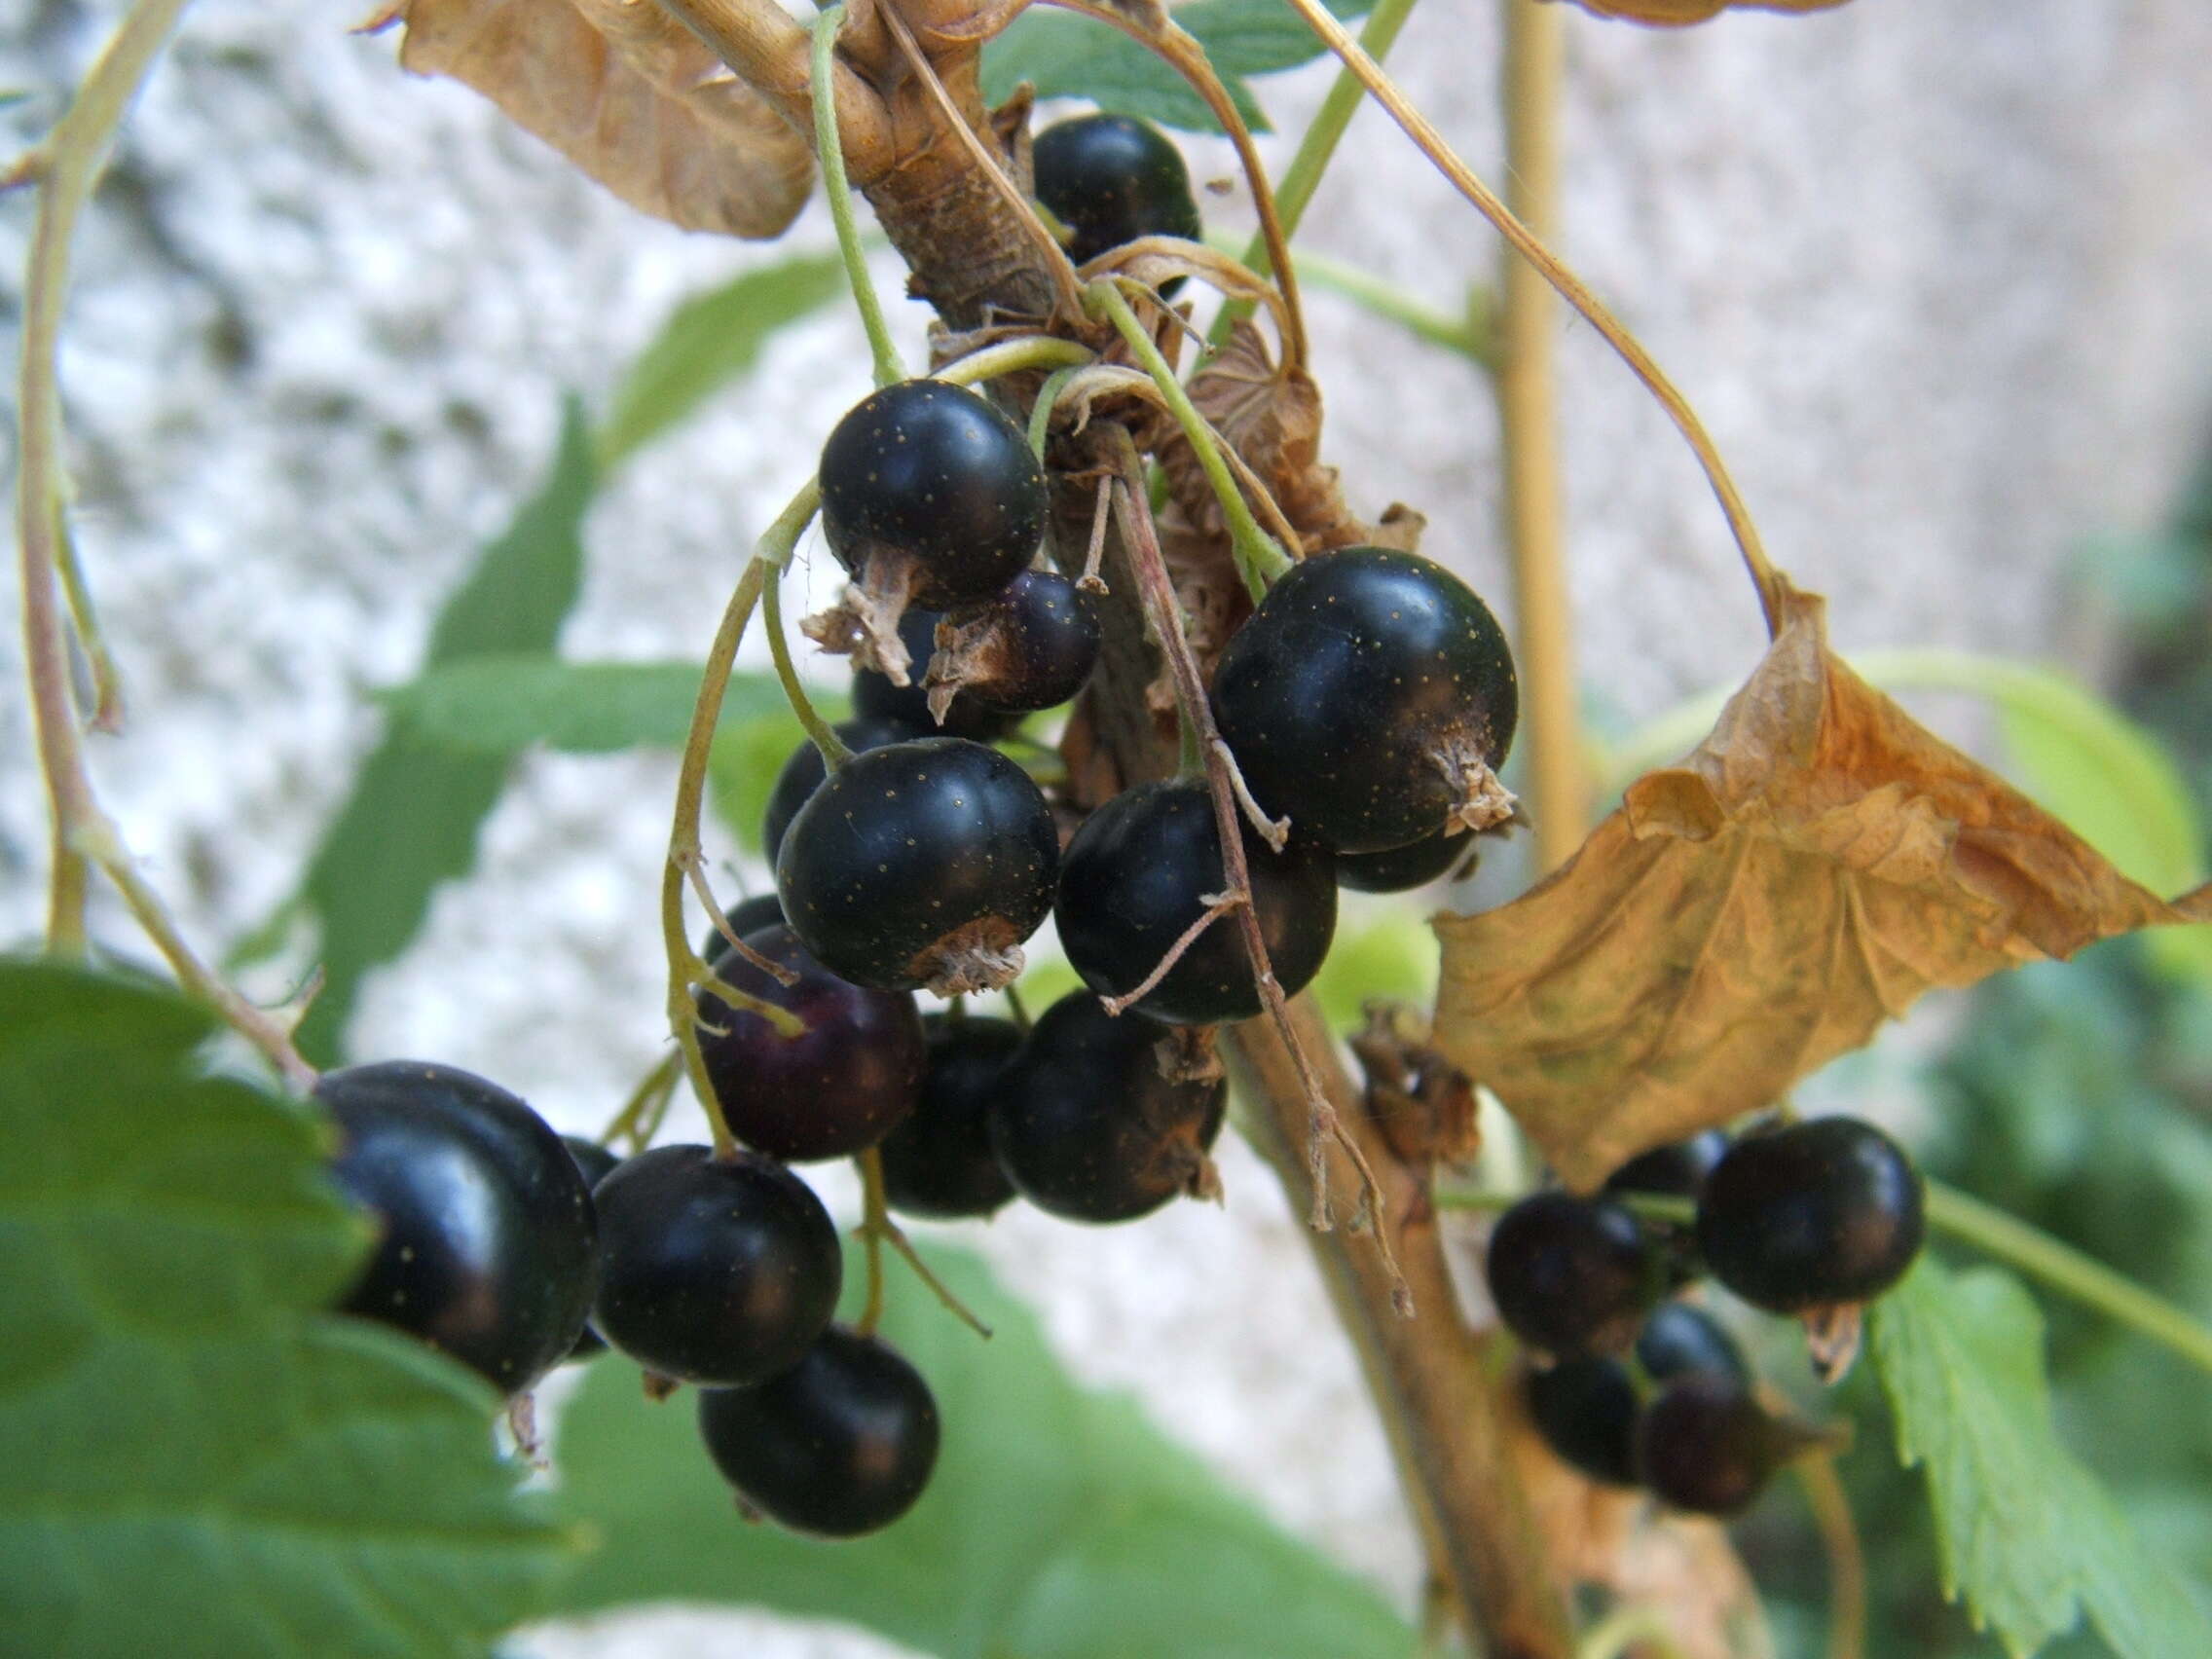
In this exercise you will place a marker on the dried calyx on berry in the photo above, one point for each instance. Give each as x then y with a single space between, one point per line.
1030 646
1371 699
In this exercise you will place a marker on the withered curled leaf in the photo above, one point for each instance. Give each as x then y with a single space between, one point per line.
630 96
1675 11
1270 414
1811 868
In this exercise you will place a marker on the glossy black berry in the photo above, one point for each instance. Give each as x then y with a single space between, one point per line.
1676 1170
712 1272
1416 864
933 478
594 1163
876 698
747 915
1138 873
840 1445
1706 1445
1369 698
1587 1409
803 772
487 1245
1811 1215
921 864
1573 1276
837 1088
1088 1126
939 1162
1030 646
1111 180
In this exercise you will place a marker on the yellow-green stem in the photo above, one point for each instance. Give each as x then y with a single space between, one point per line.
835 754
1259 558
1527 386
1011 356
830 150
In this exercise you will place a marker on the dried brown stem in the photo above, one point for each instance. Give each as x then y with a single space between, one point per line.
1432 144
1158 597
1218 904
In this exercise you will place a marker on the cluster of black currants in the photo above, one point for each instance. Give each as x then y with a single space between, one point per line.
510 1249
1808 1219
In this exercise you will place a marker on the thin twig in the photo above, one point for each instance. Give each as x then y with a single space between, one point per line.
876 1230
1217 905
655 1087
1276 831
1316 150
91 638
1526 388
831 747
1322 1123
1432 144
1824 1496
695 871
830 150
1095 556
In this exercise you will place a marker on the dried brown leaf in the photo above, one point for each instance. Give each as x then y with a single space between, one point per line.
632 97
1270 414
1676 12
1818 863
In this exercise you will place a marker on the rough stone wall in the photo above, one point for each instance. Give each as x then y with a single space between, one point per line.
1940 276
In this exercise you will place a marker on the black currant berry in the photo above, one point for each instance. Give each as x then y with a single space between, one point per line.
747 915
1573 1276
921 864
488 1246
713 1272
940 1162
1706 1445
1112 180
1371 698
594 1163
1587 1409
1811 1216
1089 1128
840 1445
1676 1170
1139 872
1416 864
1029 645
876 698
837 1088
933 478
803 772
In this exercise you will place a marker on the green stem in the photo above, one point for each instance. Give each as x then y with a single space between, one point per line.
835 754
1011 356
1041 412
1989 1230
831 152
1629 1627
107 681
2068 1271
1472 335
1316 150
1259 560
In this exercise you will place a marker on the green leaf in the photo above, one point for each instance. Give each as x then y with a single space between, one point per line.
1386 951
411 820
709 341
1259 37
499 704
194 1458
2028 1536
1058 1523
1068 56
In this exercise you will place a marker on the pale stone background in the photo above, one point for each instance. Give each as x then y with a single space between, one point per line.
1939 275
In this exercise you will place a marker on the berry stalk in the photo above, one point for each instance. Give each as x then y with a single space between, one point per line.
830 150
